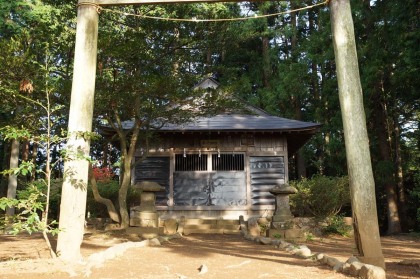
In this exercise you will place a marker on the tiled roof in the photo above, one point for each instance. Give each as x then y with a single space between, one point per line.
238 122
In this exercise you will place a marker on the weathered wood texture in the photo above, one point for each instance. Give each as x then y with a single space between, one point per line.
155 169
362 185
266 172
224 185
224 142
210 188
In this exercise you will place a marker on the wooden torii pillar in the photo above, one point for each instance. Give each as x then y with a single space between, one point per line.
73 201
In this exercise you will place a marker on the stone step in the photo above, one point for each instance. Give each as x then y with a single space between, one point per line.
212 226
200 226
211 221
230 227
188 231
227 222
209 226
199 221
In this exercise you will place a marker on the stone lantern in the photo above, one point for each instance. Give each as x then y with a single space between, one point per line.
146 215
282 221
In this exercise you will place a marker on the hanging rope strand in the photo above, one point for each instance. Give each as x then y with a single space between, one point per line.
217 19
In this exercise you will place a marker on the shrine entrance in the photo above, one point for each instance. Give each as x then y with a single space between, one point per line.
73 202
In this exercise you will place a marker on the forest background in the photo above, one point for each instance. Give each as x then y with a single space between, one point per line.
283 64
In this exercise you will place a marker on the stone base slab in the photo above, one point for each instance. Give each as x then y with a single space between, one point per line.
144 219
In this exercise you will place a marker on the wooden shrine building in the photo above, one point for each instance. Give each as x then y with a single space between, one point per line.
222 166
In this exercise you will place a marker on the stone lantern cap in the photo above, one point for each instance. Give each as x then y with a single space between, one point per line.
149 186
282 189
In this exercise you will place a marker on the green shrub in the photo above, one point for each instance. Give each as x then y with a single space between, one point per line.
336 225
109 190
29 207
320 196
55 194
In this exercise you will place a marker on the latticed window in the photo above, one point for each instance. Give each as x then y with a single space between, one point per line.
228 162
190 162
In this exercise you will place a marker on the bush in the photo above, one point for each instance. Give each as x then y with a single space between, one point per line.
320 196
336 225
55 195
109 190
29 208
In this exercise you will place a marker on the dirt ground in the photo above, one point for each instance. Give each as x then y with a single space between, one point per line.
220 256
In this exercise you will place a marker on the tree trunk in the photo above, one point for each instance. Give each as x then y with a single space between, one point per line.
386 173
300 159
76 167
25 158
34 156
122 194
175 66
128 155
402 200
5 158
112 212
266 61
300 165
12 186
362 185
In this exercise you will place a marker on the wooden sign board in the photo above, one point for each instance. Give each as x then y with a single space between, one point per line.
210 143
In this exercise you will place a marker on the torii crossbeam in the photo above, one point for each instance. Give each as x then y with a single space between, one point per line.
73 201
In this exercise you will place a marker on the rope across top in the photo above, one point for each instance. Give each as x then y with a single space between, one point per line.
194 19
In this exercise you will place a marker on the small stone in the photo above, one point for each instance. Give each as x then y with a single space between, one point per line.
345 268
290 248
338 267
265 240
354 268
304 252
283 244
175 236
249 237
319 256
330 261
372 272
352 260
163 239
254 228
154 242
203 269
276 242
